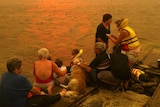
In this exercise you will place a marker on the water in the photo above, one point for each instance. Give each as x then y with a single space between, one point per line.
62 25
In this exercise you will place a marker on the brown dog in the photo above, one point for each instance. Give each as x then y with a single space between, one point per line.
77 83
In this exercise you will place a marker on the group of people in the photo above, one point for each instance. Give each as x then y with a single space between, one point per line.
17 91
104 68
125 51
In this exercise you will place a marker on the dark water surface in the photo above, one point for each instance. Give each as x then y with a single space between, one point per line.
62 25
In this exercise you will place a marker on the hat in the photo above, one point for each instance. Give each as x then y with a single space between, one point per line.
121 23
124 23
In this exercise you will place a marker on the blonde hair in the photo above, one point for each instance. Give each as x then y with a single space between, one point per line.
43 52
121 23
101 46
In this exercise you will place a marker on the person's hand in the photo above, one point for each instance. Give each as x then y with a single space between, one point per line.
63 92
108 35
76 61
43 93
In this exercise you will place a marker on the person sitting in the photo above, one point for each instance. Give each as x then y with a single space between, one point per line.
120 69
14 88
43 71
61 79
76 55
100 63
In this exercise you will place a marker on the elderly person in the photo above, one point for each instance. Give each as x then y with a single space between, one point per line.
127 39
44 69
14 88
100 63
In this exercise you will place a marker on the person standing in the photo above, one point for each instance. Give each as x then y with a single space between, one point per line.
103 29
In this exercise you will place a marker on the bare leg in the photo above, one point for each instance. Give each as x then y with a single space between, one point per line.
50 89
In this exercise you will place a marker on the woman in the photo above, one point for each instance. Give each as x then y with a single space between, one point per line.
44 69
127 38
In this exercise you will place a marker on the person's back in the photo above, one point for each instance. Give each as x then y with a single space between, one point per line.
14 87
120 64
14 94
43 71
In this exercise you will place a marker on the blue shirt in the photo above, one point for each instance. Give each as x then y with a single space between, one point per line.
13 90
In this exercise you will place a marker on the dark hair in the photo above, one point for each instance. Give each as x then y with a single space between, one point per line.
59 62
75 51
117 48
106 17
49 57
13 63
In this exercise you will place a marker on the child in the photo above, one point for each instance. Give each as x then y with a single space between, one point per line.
76 54
61 79
76 57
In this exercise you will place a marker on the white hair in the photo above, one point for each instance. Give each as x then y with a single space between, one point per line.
43 52
101 46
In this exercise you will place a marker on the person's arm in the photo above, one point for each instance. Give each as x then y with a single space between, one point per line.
57 97
57 70
63 92
85 66
35 91
118 40
99 39
63 69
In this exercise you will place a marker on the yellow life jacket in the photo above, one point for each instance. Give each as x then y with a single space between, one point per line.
131 41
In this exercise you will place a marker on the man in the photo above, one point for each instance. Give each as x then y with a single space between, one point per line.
103 29
100 63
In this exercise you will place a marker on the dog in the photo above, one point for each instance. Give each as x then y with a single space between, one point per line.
77 83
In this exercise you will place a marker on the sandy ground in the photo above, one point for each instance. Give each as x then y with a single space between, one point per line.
62 25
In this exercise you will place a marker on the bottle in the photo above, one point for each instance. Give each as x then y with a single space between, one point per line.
137 73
